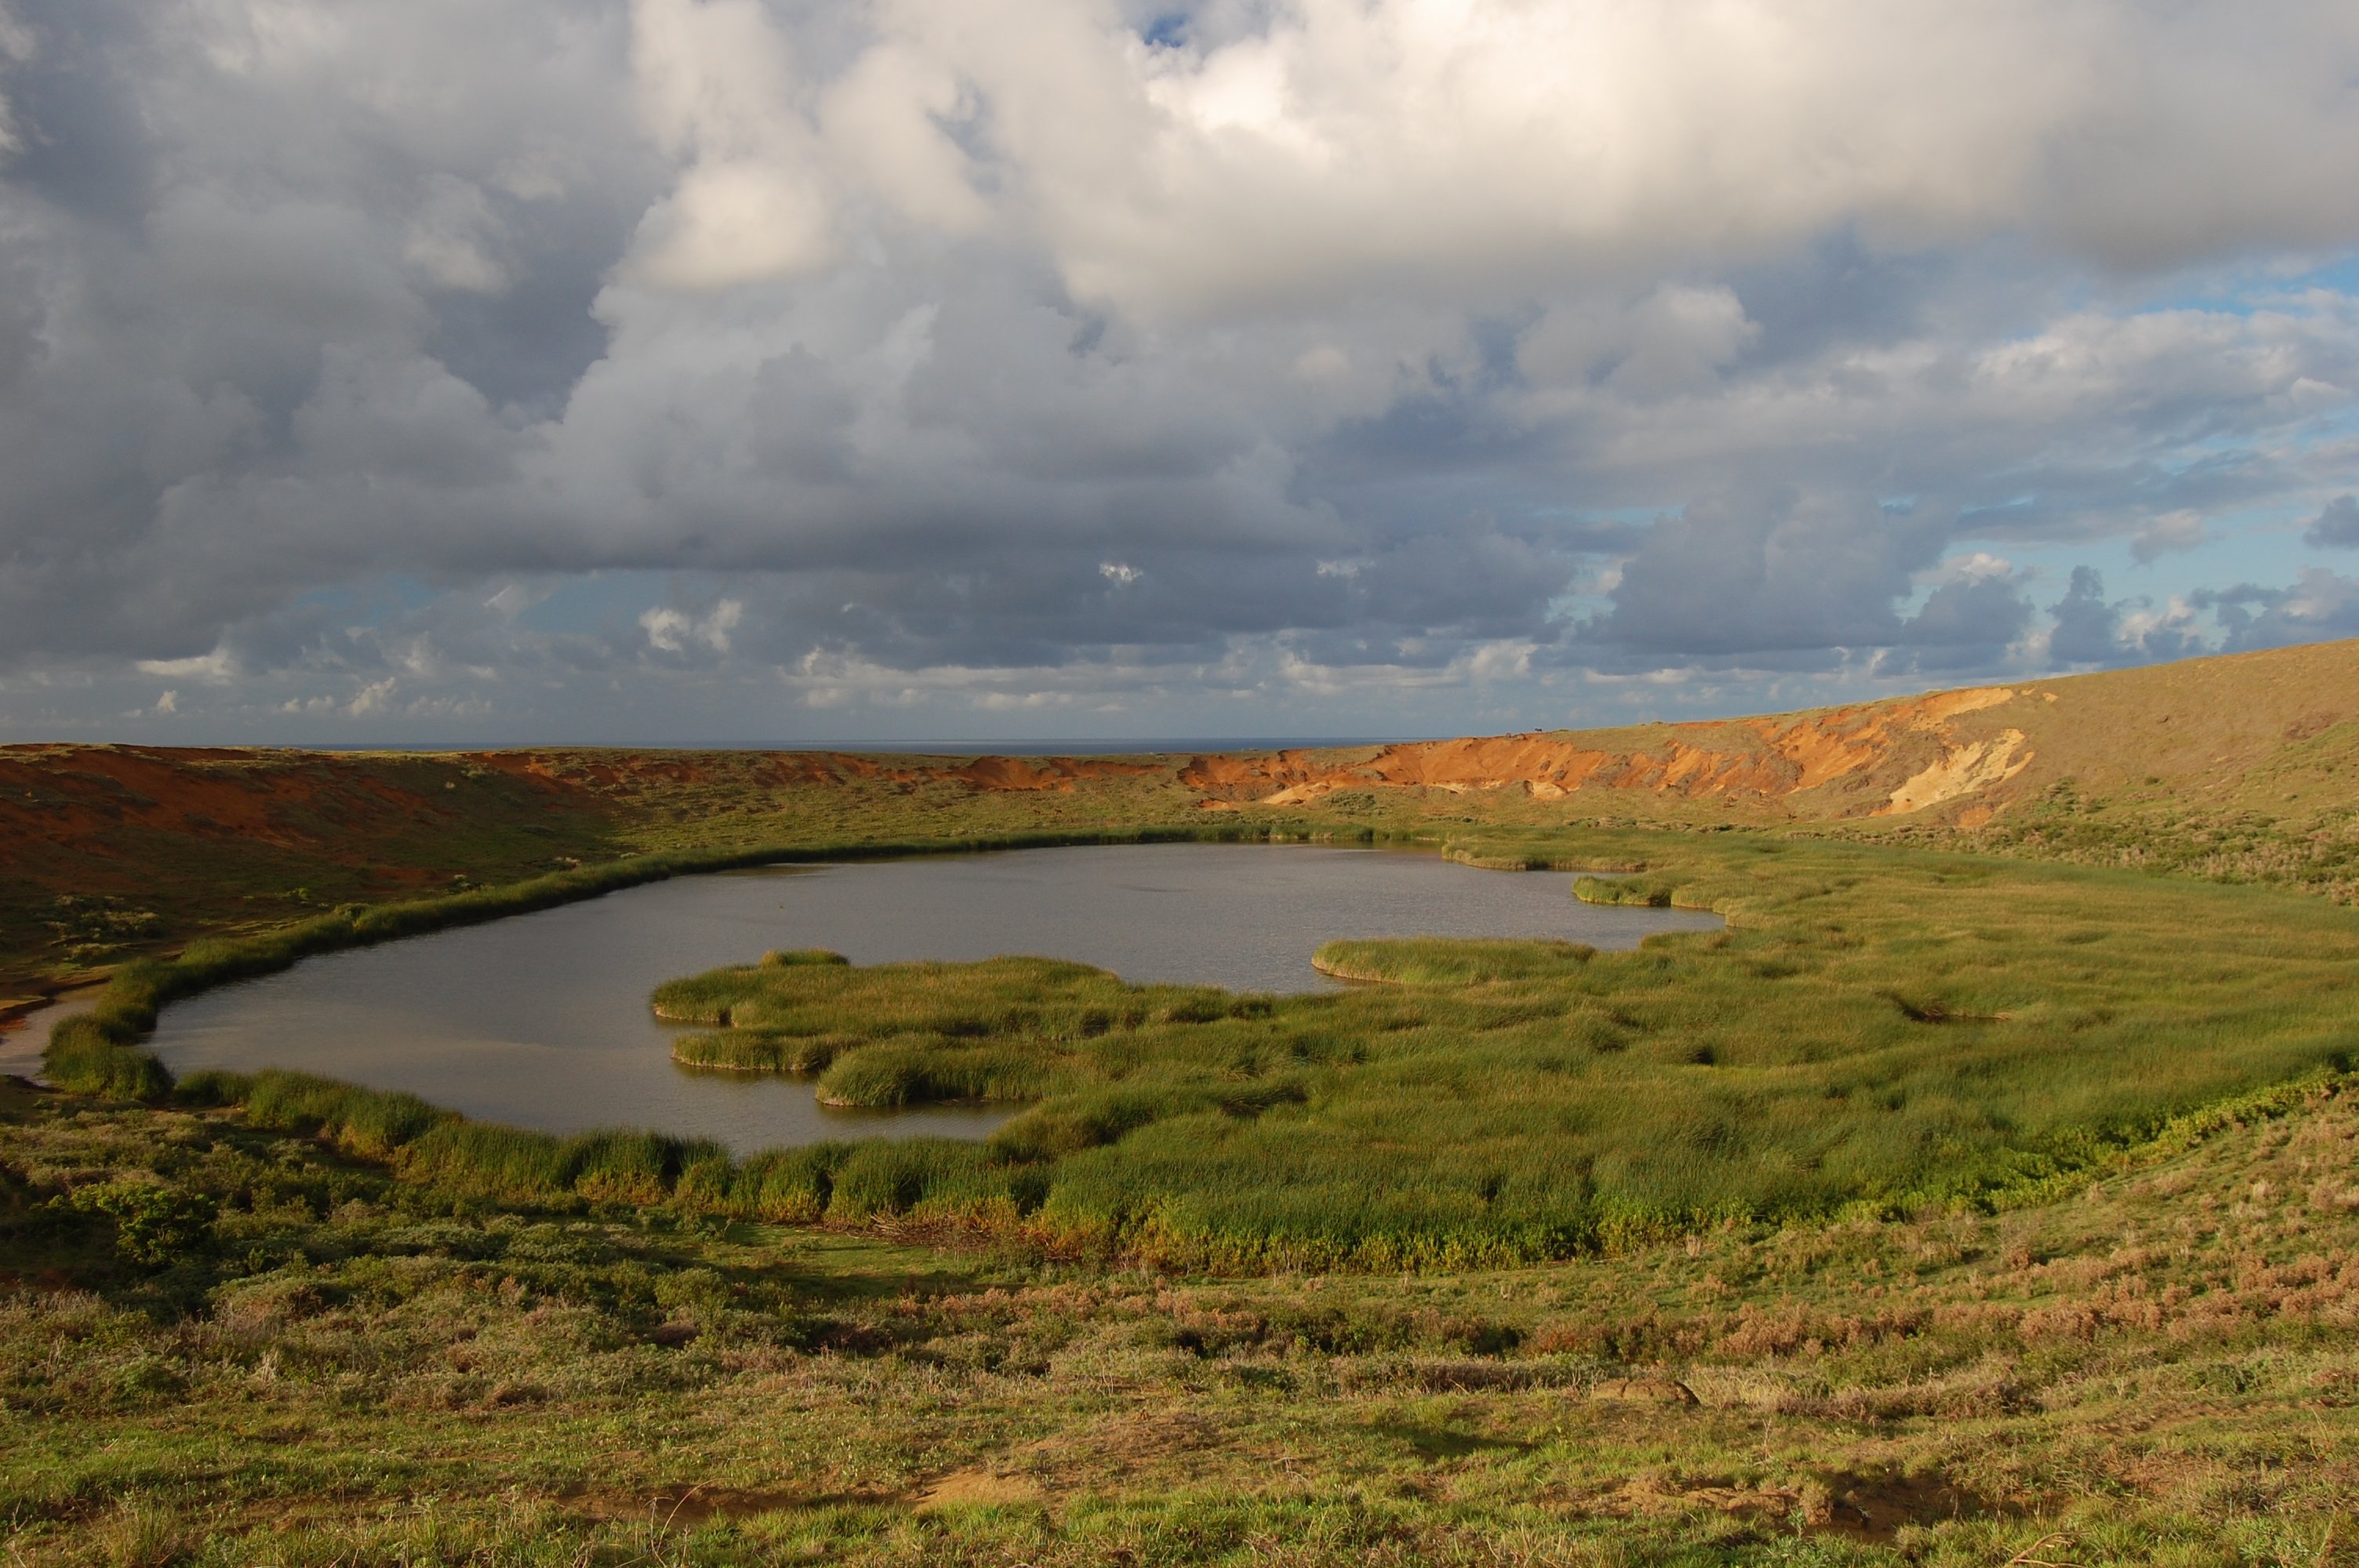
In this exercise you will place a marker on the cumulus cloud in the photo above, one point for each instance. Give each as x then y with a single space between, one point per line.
675 631
16 50
718 87
2089 630
2181 530
2319 604
1771 575
2337 526
402 363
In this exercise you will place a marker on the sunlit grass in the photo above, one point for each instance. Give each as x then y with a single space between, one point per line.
1876 1029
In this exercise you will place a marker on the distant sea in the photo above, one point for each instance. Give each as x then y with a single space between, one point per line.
1084 747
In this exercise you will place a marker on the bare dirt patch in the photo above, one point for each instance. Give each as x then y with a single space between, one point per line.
978 1488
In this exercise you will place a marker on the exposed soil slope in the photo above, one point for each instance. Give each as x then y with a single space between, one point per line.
2277 728
111 849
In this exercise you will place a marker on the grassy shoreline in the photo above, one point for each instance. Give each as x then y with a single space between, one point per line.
1493 1103
98 1052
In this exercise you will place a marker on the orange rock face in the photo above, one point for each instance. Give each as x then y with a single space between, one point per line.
1907 752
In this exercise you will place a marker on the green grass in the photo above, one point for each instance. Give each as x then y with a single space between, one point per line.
1945 1204
1877 1029
897 1035
1438 961
237 1344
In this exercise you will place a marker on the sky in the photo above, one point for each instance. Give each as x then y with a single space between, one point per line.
421 371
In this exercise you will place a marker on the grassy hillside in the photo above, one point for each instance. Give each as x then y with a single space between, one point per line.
235 1347
1949 1207
112 852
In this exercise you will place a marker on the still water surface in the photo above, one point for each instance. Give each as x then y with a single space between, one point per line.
541 1020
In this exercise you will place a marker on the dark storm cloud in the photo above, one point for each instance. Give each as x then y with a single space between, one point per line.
2092 630
982 351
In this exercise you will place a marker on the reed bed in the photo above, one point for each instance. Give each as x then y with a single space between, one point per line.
1877 1031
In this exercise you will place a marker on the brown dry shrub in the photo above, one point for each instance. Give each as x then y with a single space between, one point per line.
1788 1327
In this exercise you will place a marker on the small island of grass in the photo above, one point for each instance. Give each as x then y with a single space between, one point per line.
1875 1030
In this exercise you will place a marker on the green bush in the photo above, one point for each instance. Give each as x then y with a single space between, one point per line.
155 1225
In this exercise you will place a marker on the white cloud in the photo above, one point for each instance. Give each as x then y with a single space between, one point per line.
371 697
2180 530
1473 142
1675 339
216 669
672 631
450 237
718 85
1980 566
17 49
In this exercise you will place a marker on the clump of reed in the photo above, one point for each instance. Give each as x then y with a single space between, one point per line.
752 1050
899 1035
781 958
1434 961
1639 891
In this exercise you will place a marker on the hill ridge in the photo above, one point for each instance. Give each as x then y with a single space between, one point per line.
2254 757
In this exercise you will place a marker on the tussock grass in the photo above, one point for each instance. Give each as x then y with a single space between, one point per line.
1433 962
233 1345
898 1034
1875 1032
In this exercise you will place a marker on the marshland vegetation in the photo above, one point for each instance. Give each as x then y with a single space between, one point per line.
1876 1030
542 1021
1953 1209
235 1343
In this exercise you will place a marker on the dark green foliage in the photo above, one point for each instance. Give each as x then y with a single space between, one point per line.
750 1051
512 1165
783 1186
1647 892
154 1225
922 1175
87 927
82 1056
